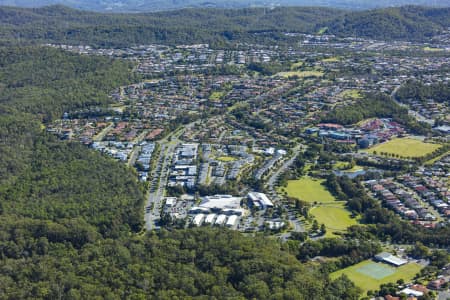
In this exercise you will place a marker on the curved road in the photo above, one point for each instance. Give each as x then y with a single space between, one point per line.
273 178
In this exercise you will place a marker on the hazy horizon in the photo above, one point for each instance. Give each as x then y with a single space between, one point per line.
159 5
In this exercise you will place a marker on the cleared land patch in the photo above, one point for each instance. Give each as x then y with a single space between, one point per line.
369 275
405 147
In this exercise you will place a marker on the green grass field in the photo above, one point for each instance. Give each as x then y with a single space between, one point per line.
296 65
336 218
309 190
226 158
328 211
340 165
301 74
322 30
352 94
331 59
429 49
216 96
343 165
405 147
369 275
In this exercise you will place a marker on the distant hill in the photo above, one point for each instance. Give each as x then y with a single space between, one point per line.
158 5
408 22
61 24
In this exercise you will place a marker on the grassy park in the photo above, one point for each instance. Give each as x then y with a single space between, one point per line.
369 275
309 190
327 210
336 218
352 94
405 147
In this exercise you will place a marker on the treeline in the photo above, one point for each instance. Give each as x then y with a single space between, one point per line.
197 263
374 105
346 251
42 178
46 82
414 90
215 26
407 22
219 27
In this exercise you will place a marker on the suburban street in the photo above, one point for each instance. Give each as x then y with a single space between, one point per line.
274 176
160 175
101 135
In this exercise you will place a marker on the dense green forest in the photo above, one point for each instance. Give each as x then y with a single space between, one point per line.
47 82
417 91
42 178
215 26
198 263
70 218
410 22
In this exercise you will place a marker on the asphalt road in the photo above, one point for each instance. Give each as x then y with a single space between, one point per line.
99 137
160 176
273 178
156 197
415 114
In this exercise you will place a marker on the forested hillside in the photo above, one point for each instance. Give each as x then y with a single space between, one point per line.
45 179
417 91
215 26
198 263
409 22
175 27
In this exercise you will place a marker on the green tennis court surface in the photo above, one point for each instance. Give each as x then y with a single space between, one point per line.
369 275
376 270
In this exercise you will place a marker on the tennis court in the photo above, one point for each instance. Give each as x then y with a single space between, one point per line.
376 270
369 275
